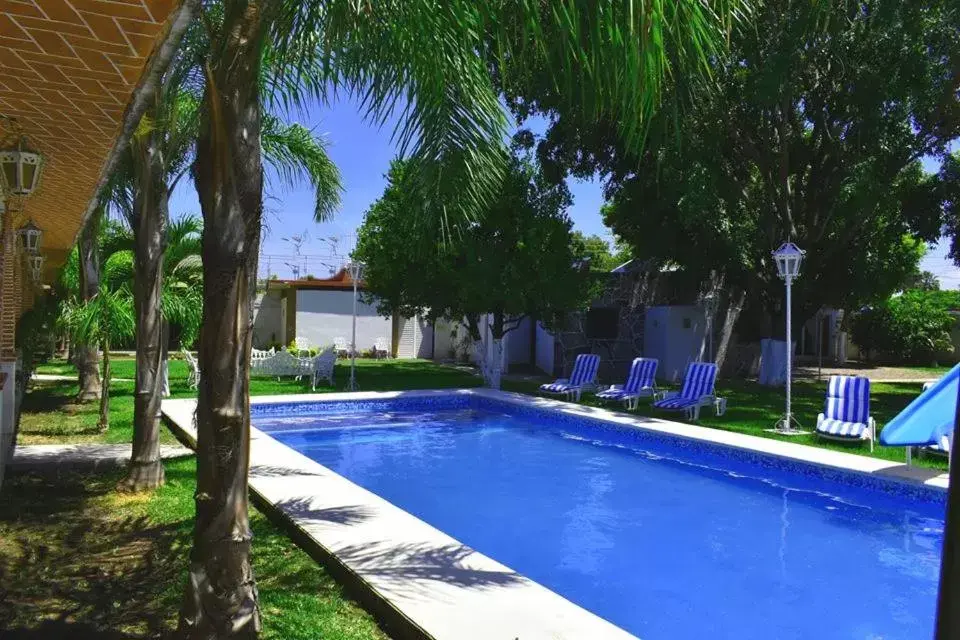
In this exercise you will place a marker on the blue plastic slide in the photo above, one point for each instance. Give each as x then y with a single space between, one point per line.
927 418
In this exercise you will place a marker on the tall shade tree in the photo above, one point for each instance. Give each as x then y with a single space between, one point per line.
159 155
86 356
515 261
156 158
429 62
105 318
822 113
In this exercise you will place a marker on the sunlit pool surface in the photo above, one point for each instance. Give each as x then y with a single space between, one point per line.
665 541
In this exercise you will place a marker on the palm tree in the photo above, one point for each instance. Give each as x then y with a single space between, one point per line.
433 59
103 320
87 273
158 157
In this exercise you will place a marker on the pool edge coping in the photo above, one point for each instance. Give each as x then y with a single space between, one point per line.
396 614
517 607
793 451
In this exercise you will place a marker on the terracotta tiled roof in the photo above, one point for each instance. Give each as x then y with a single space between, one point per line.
67 72
340 280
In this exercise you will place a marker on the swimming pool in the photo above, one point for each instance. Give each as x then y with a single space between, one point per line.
665 537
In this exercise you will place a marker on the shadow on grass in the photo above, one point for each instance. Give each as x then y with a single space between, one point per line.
71 569
63 630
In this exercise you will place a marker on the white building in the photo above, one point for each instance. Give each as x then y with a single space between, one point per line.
321 311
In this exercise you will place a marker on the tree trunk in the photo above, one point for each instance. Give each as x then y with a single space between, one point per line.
735 301
495 366
103 423
85 356
149 222
221 598
165 358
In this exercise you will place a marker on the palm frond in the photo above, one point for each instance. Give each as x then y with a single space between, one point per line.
107 314
298 155
117 270
183 241
430 63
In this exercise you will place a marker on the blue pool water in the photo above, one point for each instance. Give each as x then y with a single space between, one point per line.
665 541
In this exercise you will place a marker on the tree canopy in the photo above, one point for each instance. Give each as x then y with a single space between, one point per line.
914 326
598 252
515 260
814 134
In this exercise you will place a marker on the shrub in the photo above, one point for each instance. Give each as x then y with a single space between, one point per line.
914 326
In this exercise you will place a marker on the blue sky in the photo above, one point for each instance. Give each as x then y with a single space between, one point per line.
363 153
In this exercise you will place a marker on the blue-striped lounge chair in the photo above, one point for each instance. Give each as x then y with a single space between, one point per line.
696 391
582 378
846 413
640 382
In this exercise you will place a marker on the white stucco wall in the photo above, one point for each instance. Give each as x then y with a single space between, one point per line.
675 336
545 352
267 319
325 315
518 343
443 339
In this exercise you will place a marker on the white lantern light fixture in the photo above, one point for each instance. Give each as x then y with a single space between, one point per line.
709 309
36 266
20 169
788 258
28 237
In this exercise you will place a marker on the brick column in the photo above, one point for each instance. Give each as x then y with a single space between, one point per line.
9 311
9 288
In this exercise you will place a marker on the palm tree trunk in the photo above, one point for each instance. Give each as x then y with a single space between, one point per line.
149 223
104 422
86 356
221 599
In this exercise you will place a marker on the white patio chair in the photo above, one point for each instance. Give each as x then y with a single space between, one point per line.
323 366
846 412
696 392
640 382
582 378
193 381
302 345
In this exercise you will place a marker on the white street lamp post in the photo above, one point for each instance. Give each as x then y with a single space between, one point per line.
788 258
356 272
709 308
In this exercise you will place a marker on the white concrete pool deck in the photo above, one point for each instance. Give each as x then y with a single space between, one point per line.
434 585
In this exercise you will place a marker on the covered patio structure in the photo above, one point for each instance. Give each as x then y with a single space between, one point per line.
75 77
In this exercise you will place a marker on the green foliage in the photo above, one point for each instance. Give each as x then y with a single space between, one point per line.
37 330
814 133
515 260
297 155
430 63
597 251
106 318
912 327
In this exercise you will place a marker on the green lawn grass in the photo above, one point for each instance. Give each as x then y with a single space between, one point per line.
51 416
79 560
753 409
933 372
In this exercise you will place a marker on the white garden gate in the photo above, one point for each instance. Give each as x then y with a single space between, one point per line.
415 339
